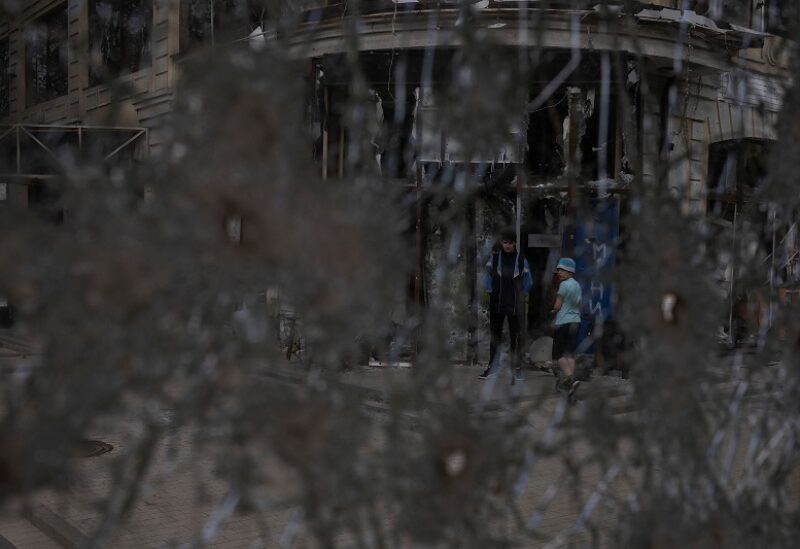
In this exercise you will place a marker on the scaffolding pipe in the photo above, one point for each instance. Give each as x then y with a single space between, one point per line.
128 142
19 154
418 192
575 101
325 137
773 216
42 145
211 13
733 278
341 150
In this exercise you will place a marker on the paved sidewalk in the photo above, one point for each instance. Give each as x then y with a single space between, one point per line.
183 500
182 493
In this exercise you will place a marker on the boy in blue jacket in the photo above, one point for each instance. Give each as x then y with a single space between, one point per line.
507 279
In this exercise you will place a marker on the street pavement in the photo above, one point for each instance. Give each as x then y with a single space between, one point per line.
179 503
183 503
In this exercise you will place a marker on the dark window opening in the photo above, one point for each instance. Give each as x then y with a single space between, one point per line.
774 16
781 16
599 149
44 199
330 145
736 170
212 21
119 38
5 78
46 57
546 156
547 152
742 12
394 142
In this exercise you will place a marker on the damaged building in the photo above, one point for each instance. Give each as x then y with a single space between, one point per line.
686 98
687 94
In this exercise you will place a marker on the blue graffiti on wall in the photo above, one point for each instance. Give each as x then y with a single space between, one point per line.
595 255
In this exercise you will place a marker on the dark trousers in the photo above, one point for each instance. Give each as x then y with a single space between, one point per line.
496 321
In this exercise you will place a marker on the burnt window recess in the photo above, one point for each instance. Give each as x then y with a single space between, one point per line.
46 56
119 38
206 22
5 78
736 170
546 156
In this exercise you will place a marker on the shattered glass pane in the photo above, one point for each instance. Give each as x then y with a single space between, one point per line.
461 273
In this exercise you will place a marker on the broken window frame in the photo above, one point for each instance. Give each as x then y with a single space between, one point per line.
551 116
134 50
53 55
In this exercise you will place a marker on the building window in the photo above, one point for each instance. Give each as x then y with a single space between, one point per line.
46 56
774 16
545 157
211 21
780 16
119 38
5 78
736 170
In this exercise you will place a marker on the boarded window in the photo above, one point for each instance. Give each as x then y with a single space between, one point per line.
119 38
46 56
209 21
5 80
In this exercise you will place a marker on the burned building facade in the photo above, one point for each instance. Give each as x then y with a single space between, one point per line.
547 111
552 117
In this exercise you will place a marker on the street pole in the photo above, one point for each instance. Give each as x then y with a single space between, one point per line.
733 277
574 99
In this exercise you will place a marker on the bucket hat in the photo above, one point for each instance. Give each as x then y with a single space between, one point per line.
566 264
